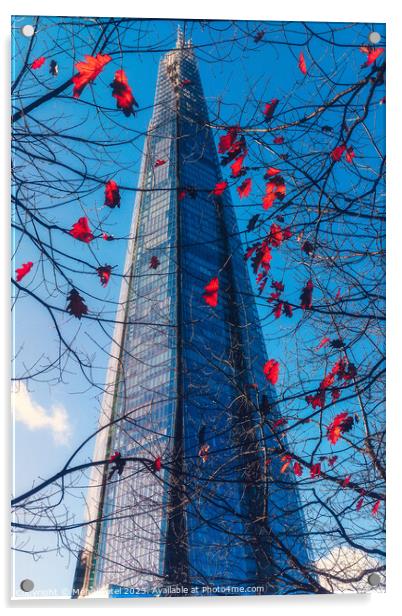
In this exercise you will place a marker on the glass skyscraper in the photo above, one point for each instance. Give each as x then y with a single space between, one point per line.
186 386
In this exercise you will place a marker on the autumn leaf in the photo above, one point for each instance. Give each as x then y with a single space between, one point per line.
38 63
275 189
350 154
271 371
375 508
302 64
245 188
76 305
271 171
159 163
226 141
297 469
154 262
306 296
269 109
252 222
286 459
372 54
279 140
315 470
104 272
88 71
235 150
275 236
220 188
341 424
337 153
259 36
157 464
112 194
211 292
81 231
288 310
123 94
237 167
23 270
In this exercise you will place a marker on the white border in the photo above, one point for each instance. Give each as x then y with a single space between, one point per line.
306 10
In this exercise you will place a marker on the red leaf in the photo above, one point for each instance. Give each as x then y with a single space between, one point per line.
337 152
332 460
288 310
226 141
271 171
372 54
350 154
245 188
278 310
154 262
38 62
159 163
297 469
275 189
286 459
112 194
270 109
185 82
237 167
23 270
76 305
88 72
123 94
346 481
359 504
271 371
211 292
104 273
275 237
323 342
302 64
181 194
115 456
279 140
317 401
315 470
220 187
280 422
108 238
375 508
342 423
81 231
306 296
157 464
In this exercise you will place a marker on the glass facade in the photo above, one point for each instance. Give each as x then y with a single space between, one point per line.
190 375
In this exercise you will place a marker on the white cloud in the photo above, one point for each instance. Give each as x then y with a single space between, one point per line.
35 417
347 564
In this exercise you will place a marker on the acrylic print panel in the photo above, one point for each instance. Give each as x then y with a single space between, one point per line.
198 295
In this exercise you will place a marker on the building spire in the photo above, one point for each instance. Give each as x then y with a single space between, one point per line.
180 38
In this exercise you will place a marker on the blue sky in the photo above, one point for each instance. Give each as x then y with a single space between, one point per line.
245 79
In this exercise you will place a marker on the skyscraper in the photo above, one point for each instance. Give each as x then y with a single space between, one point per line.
185 387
